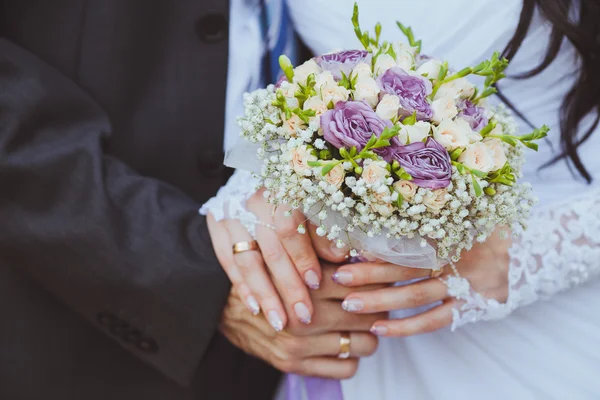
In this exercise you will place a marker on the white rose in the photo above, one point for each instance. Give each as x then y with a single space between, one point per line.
405 55
478 156
435 200
497 149
334 93
407 189
302 72
383 63
299 159
362 70
388 107
323 79
443 108
452 134
458 88
292 125
335 176
375 172
430 68
367 89
414 133
316 104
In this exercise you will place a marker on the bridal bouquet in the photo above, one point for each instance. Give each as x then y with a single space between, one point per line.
389 151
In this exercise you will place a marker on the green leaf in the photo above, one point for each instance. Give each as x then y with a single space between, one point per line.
443 71
478 174
381 143
532 146
456 153
389 133
314 163
371 142
476 186
488 128
410 120
399 201
328 167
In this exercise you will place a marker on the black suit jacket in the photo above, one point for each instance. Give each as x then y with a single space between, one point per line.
111 135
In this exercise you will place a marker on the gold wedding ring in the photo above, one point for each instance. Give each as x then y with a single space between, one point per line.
436 273
241 247
344 345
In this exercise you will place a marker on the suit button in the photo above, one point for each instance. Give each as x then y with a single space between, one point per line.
148 345
211 164
212 27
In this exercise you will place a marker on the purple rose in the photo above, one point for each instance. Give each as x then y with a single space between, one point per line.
428 163
473 114
412 91
352 123
343 61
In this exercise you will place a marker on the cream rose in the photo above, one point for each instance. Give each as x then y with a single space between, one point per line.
375 172
444 108
405 55
383 63
388 107
452 134
382 206
292 125
316 104
363 70
478 156
407 189
435 200
299 159
334 93
496 147
458 88
430 68
414 133
335 176
324 79
302 72
367 89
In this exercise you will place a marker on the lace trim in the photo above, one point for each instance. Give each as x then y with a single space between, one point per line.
559 250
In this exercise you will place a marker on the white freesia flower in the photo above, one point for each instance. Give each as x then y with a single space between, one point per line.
405 55
376 172
407 189
299 158
458 88
367 89
478 156
362 70
435 200
302 72
443 108
452 134
430 68
388 106
383 63
317 104
289 89
323 79
414 133
498 154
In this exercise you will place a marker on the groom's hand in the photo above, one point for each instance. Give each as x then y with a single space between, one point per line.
305 349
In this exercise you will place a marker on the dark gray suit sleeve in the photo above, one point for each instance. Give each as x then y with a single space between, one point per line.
129 253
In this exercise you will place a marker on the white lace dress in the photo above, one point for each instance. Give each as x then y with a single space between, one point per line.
547 348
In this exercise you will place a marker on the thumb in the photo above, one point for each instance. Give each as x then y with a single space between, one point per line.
326 249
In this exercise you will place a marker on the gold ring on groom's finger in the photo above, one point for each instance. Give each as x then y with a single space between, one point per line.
344 345
241 247
436 273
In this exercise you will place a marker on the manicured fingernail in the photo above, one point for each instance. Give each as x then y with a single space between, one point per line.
312 279
379 330
343 277
275 320
252 305
353 305
303 313
338 251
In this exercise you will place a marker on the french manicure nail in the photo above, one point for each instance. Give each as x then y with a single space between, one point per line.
312 279
353 305
275 320
379 330
252 305
303 313
343 277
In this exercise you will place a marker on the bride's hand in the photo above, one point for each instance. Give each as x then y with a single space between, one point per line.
485 267
276 278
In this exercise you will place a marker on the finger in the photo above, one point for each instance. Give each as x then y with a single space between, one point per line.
362 344
332 317
395 298
252 268
429 321
333 291
298 246
222 246
285 277
326 249
329 368
360 274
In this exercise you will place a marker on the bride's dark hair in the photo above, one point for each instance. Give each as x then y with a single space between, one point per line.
584 97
